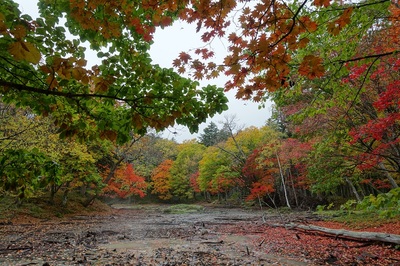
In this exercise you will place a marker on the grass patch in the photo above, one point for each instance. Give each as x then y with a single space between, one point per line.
183 208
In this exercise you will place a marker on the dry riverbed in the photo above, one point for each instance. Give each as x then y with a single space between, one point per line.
148 235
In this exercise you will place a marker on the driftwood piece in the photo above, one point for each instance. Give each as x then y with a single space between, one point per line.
345 234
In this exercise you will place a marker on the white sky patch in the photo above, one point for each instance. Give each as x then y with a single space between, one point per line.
182 37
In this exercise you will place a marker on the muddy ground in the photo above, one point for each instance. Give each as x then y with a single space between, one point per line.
144 236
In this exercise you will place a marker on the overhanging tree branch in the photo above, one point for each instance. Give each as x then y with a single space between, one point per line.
21 87
366 57
292 26
68 95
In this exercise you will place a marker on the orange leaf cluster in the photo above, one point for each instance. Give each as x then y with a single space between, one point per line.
324 3
259 53
24 51
161 180
20 49
3 26
66 68
336 26
193 182
312 67
259 190
126 183
85 12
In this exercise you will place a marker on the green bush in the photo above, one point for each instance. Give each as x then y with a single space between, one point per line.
322 208
349 206
386 204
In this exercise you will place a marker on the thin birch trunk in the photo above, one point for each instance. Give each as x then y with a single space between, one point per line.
388 175
283 181
353 188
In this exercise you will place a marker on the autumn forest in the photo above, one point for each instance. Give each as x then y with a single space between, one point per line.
78 139
330 67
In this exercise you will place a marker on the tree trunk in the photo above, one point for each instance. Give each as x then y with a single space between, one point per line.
259 202
83 189
65 195
283 181
388 175
345 234
353 189
53 190
52 193
293 188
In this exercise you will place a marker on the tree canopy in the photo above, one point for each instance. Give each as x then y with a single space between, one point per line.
275 44
331 68
43 66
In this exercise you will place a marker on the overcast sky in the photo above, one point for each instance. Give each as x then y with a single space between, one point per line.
182 37
168 43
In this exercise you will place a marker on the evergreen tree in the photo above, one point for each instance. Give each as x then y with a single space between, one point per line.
210 136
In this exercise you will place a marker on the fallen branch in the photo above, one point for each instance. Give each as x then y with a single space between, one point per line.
53 241
2 250
247 251
213 242
345 234
235 219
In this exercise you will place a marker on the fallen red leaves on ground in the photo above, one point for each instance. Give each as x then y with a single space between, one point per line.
390 228
319 249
